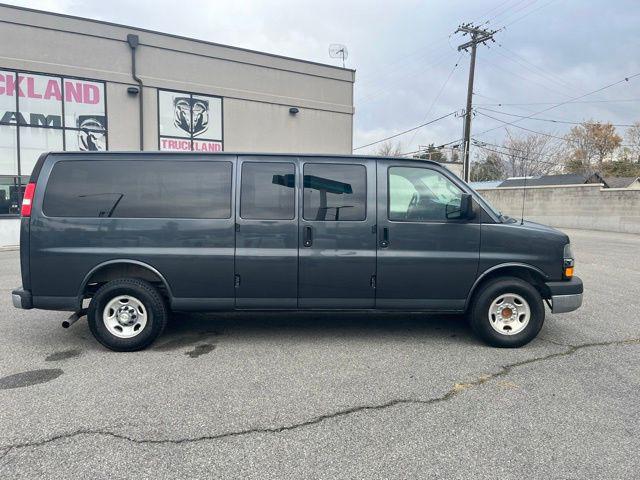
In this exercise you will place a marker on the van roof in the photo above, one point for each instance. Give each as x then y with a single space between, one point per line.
257 154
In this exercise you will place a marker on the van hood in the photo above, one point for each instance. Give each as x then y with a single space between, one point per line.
541 228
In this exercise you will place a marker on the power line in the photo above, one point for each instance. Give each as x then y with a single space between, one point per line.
499 14
550 103
549 119
491 11
527 14
537 72
383 90
523 61
625 79
437 97
406 131
482 145
527 79
437 147
385 69
564 139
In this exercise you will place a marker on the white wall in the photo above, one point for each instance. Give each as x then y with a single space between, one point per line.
9 232
589 207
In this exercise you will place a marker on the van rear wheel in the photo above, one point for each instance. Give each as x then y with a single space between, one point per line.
507 312
127 314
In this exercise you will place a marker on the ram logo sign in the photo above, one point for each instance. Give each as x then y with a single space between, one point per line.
189 122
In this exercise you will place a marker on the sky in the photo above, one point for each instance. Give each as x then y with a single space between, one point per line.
408 69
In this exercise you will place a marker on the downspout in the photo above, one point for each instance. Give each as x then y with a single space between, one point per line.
133 42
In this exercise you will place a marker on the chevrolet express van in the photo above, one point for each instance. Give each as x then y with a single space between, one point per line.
135 236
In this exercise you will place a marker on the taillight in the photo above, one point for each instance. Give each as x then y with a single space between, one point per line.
27 200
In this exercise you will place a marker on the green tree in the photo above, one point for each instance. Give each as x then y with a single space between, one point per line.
490 167
621 168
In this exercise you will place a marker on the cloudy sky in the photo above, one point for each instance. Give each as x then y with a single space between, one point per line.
405 57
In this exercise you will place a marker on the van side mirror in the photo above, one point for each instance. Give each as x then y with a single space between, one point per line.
463 211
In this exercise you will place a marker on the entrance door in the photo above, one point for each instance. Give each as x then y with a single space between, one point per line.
337 234
266 233
425 260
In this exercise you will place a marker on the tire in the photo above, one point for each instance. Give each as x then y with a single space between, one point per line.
498 299
127 314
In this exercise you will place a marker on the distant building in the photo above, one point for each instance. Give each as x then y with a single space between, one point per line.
455 167
570 179
485 185
622 182
549 180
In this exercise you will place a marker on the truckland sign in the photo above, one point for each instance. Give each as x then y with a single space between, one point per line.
189 122
70 108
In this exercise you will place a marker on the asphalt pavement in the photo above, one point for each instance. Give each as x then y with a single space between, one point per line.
314 395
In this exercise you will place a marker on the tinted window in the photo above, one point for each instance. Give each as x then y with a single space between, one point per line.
268 191
421 195
139 189
334 192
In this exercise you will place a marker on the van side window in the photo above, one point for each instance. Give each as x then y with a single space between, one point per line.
334 192
267 191
139 189
420 195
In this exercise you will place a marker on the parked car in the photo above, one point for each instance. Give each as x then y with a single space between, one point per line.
139 235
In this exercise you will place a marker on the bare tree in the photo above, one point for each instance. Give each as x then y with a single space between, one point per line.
591 143
389 149
529 155
632 136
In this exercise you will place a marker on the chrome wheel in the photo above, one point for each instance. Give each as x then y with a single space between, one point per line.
124 316
509 314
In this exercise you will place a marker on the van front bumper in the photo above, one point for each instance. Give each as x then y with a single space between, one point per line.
566 296
22 299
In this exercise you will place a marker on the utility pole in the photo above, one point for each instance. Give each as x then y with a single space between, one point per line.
478 36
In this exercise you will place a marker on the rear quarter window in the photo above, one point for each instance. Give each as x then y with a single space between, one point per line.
139 189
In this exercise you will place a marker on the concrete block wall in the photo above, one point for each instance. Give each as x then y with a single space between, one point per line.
572 206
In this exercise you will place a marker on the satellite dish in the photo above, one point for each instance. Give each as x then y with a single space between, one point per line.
337 50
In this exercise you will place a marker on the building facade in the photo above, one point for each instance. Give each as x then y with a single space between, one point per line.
68 83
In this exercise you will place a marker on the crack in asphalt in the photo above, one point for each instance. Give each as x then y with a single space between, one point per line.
450 394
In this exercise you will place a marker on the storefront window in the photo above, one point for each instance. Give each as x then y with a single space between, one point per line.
10 195
189 122
34 141
40 113
8 150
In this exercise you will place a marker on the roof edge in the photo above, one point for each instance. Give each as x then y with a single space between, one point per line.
180 37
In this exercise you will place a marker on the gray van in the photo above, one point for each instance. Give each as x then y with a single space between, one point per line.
134 236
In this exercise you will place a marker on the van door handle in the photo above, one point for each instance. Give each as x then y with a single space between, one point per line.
308 236
384 243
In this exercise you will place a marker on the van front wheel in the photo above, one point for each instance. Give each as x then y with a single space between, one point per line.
127 314
507 312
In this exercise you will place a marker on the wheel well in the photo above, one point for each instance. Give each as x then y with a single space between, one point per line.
114 271
528 275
